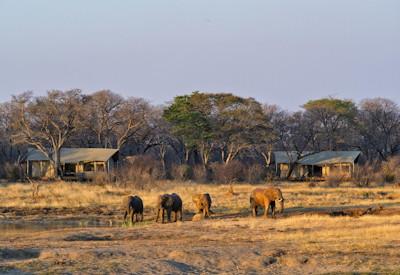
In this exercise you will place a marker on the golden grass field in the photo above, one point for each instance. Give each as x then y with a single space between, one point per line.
323 230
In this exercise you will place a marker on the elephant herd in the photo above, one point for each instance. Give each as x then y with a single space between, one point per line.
265 198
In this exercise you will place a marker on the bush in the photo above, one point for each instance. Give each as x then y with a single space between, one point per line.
201 174
182 172
364 175
101 178
139 171
389 172
336 178
10 171
227 173
255 173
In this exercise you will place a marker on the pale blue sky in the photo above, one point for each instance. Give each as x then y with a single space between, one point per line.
282 52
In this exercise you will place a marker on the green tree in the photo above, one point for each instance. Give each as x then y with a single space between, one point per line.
217 121
240 123
189 123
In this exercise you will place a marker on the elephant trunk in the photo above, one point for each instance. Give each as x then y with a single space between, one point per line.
282 202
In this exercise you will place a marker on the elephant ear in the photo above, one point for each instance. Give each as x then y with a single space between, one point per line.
167 200
164 199
196 199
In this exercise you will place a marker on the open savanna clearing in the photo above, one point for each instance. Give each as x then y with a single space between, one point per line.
323 230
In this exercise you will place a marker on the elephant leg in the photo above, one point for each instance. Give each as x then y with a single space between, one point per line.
141 217
158 214
272 209
132 216
181 214
253 207
266 208
162 213
169 215
125 215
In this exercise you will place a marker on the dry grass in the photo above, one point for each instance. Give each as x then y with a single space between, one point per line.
297 195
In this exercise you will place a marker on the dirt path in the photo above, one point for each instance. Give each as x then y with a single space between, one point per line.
238 245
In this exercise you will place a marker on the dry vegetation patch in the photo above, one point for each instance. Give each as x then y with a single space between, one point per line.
299 197
295 245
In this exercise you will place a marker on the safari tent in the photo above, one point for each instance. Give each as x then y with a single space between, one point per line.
315 164
281 161
76 163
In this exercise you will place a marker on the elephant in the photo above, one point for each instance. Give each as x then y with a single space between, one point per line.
133 207
170 203
202 203
266 198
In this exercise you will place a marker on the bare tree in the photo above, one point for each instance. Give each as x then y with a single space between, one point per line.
294 134
47 122
11 155
161 138
100 112
130 121
332 117
379 127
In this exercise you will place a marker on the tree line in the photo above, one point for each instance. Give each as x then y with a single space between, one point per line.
197 129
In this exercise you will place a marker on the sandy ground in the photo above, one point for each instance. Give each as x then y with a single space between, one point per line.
322 231
303 244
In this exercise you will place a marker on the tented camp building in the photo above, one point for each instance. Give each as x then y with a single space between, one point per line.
315 164
76 163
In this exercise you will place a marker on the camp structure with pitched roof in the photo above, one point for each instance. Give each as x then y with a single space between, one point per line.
76 163
314 164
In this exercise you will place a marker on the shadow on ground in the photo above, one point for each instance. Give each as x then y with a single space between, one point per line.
19 254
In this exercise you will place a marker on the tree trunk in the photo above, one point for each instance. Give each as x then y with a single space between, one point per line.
187 156
57 164
162 152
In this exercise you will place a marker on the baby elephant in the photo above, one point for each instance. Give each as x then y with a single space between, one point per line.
170 203
266 198
202 203
133 207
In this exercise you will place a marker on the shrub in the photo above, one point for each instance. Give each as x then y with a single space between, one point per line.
312 184
389 172
335 178
227 173
139 171
255 173
10 171
182 172
364 175
201 174
101 178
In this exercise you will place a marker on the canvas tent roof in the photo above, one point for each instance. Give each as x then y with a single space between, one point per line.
286 157
330 157
319 158
75 155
